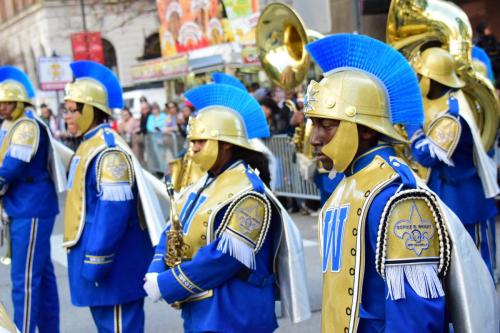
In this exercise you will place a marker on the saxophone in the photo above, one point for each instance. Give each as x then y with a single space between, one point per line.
176 248
184 172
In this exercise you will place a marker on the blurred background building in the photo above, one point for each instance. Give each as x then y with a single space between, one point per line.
148 43
31 29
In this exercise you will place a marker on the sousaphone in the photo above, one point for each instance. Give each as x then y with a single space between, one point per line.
281 39
414 23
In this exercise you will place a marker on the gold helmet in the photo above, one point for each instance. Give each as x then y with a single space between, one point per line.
437 64
225 113
95 86
88 91
15 86
365 82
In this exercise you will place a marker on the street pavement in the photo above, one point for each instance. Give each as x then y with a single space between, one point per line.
160 317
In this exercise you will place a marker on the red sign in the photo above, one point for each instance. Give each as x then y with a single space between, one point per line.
87 46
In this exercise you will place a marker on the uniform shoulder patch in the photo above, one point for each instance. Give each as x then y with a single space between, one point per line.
413 244
412 231
244 227
24 140
115 175
444 132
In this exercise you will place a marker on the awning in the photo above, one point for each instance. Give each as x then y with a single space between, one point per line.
206 64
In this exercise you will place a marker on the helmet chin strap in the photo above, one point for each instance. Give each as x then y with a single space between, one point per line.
343 147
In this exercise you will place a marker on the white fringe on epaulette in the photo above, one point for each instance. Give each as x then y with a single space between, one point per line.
423 279
116 192
435 151
21 152
237 249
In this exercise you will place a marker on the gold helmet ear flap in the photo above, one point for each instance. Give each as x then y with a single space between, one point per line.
86 119
18 111
207 156
343 147
425 85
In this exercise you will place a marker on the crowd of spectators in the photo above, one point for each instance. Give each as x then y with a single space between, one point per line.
485 39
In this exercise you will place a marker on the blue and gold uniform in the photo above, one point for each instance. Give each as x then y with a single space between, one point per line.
446 147
30 201
231 224
228 285
109 248
383 240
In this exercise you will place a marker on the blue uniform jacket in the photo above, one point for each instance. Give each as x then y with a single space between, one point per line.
111 231
458 184
31 192
378 313
242 301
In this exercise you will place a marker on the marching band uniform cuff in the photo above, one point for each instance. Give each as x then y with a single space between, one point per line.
95 267
176 286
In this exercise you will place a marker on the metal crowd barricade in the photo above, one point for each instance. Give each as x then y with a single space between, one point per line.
160 149
290 183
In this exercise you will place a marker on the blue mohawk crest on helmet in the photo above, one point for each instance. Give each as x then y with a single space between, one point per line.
224 78
357 52
89 69
235 99
15 74
481 55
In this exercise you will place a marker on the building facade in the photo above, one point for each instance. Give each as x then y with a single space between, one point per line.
30 29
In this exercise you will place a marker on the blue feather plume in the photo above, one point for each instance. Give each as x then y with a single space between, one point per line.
349 51
89 69
235 99
481 55
224 78
15 74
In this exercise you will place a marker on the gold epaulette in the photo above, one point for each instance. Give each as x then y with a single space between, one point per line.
412 231
24 140
244 227
445 132
115 175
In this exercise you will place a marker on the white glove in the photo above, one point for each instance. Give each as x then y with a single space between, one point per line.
151 287
307 167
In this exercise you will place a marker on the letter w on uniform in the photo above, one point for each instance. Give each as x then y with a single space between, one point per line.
333 234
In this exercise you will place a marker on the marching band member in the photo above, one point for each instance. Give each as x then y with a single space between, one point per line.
232 224
223 78
446 146
108 245
29 168
383 241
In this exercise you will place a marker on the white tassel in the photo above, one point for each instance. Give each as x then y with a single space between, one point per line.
237 249
422 279
21 152
435 151
116 192
395 282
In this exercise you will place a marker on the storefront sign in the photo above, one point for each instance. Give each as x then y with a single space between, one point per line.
160 69
54 72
